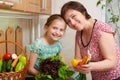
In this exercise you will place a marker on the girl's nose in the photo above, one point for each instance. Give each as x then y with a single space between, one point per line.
57 31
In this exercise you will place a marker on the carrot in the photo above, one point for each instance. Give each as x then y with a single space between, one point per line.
85 59
15 61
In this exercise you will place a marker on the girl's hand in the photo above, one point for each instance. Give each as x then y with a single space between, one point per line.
83 68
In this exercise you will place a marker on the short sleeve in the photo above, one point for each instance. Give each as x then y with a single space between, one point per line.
60 46
35 46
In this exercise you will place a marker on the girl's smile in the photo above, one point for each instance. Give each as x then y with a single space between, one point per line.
56 30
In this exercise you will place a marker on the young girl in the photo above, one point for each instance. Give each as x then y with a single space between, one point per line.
48 45
98 38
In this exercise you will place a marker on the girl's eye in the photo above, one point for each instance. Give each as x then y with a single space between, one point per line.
54 27
62 30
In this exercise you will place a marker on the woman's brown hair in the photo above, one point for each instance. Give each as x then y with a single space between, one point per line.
74 6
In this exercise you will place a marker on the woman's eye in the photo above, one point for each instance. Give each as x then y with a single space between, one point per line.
73 16
68 21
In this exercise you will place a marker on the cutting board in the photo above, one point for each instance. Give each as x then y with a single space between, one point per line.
10 35
18 39
2 45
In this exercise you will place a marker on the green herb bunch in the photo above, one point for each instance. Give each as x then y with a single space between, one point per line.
53 68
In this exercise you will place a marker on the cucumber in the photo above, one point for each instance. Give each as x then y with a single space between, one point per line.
9 65
4 66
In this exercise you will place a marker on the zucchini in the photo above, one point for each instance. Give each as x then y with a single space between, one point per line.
9 65
4 66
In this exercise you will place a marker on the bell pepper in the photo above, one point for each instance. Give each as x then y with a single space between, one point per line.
22 59
1 65
7 56
19 66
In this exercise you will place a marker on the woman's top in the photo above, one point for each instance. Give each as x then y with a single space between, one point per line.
44 51
96 55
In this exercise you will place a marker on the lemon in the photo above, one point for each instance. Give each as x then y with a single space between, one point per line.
74 62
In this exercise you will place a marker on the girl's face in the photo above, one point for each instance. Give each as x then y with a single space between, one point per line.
75 19
56 29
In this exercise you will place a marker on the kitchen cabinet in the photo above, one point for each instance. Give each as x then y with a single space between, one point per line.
45 6
32 6
17 5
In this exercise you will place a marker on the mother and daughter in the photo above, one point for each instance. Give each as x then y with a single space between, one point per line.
91 34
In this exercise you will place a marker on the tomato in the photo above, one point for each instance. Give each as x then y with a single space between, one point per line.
7 56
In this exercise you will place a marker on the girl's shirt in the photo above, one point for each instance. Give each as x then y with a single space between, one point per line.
96 55
44 51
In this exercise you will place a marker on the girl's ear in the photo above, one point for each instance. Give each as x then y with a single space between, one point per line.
46 28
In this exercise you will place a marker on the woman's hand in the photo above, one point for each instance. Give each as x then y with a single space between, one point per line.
84 69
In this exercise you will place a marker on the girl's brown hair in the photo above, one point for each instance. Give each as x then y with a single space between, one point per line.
52 18
74 6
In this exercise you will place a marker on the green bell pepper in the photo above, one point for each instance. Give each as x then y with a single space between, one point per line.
19 66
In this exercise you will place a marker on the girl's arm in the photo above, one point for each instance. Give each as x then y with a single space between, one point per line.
107 48
63 58
32 60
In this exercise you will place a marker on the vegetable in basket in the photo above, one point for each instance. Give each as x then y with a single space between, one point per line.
21 64
7 56
9 65
15 61
1 62
4 66
53 69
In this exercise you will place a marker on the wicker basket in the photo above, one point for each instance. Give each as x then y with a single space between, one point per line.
19 75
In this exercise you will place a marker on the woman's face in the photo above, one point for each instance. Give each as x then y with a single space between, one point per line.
75 19
56 29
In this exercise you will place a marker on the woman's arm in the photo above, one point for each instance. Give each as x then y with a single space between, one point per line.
32 61
107 48
77 51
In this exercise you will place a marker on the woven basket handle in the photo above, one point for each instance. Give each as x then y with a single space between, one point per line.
18 45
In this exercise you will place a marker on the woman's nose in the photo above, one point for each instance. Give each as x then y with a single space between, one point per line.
72 22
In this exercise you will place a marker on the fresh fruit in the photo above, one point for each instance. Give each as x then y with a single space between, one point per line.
22 59
7 56
75 62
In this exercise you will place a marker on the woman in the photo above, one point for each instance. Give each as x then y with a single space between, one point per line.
95 36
